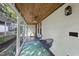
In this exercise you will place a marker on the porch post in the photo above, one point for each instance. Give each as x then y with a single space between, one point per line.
18 37
5 28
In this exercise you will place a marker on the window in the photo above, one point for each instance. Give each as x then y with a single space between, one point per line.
3 28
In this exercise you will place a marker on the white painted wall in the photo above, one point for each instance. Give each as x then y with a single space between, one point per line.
58 26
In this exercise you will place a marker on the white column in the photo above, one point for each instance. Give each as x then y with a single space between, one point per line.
23 32
5 28
18 37
26 32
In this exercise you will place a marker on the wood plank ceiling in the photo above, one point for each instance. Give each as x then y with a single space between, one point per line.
34 13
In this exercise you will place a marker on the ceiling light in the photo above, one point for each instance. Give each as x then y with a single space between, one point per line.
68 10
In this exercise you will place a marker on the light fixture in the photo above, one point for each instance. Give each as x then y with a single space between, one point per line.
68 10
34 19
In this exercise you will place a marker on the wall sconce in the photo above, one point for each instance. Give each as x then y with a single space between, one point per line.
68 10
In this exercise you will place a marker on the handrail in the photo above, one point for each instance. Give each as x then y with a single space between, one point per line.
3 52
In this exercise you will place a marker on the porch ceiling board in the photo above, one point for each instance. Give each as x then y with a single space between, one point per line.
36 12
